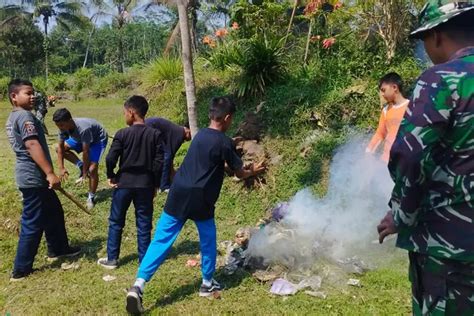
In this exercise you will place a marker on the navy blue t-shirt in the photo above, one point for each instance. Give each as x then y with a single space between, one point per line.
197 184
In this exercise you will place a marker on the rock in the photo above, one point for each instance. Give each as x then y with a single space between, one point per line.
242 236
354 282
250 127
108 278
264 275
70 266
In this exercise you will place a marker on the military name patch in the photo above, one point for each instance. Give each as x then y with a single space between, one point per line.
30 128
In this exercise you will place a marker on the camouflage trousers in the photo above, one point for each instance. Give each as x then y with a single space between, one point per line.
441 286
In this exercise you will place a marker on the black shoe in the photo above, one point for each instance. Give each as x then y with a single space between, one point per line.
106 263
206 291
134 301
18 276
70 252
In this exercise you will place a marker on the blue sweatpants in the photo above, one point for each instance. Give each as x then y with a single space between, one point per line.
167 230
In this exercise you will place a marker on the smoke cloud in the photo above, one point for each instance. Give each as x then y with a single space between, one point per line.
338 226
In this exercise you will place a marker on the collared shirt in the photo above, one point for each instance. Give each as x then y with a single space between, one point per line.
432 163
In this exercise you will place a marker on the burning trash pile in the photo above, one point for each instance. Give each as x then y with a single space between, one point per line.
310 241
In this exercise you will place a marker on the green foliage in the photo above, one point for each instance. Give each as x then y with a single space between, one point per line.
57 82
81 79
4 87
111 83
39 83
161 71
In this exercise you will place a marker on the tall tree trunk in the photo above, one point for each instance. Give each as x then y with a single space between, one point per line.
46 50
89 39
171 40
187 59
121 67
295 6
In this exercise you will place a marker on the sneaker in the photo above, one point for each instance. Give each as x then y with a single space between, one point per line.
18 276
90 203
206 291
106 263
134 301
70 252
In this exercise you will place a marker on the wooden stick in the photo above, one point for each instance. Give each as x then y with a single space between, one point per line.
74 200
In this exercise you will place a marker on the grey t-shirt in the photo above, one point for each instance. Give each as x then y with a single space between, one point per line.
21 125
87 131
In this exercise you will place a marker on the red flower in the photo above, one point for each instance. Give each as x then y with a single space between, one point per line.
312 7
328 42
235 26
338 5
221 32
209 41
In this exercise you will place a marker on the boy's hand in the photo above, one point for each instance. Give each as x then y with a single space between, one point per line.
54 181
256 169
63 174
112 183
386 226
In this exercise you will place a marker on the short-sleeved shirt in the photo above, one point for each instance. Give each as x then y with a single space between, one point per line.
173 134
20 126
87 131
198 181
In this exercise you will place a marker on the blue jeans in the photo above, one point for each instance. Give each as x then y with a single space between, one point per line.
165 181
121 199
167 230
42 211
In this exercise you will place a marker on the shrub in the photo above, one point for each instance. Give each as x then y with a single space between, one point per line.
161 71
4 87
82 78
57 82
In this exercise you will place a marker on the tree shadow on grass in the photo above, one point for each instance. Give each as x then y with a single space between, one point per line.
180 293
103 195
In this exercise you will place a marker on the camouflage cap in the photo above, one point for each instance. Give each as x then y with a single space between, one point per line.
436 12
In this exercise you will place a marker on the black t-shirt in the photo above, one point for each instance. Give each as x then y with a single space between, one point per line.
173 134
139 151
197 184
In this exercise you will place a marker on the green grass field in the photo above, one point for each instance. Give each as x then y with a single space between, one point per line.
173 290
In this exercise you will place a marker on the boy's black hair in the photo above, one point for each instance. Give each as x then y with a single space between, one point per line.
220 107
62 115
460 28
137 103
392 78
15 84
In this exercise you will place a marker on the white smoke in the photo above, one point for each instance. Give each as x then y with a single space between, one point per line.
341 224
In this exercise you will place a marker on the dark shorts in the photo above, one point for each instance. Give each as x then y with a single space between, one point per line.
441 286
95 150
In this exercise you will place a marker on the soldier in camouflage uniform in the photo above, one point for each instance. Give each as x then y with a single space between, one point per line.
432 165
41 108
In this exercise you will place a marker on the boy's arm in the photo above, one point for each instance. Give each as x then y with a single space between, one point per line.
379 135
234 163
112 157
86 139
62 170
36 152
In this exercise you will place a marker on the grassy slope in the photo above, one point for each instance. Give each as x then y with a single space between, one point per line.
173 290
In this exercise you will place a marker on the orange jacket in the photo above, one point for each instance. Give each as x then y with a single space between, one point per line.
389 122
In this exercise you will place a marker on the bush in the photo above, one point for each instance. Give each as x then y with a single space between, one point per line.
81 79
39 83
4 87
111 83
57 82
162 71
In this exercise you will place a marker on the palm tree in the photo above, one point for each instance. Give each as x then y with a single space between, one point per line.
64 13
187 59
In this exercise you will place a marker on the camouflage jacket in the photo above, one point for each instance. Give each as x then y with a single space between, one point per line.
40 104
432 163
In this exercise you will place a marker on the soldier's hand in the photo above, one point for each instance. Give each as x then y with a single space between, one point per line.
386 227
63 174
53 181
